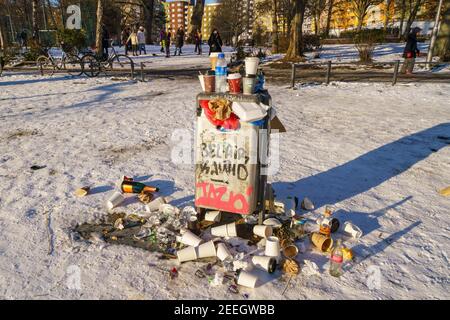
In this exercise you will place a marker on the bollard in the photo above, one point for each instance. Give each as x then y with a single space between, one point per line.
293 76
396 67
132 69
327 79
142 72
41 69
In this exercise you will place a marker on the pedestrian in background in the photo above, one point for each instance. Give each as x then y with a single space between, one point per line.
141 40
124 39
198 42
215 42
133 40
179 41
167 43
411 51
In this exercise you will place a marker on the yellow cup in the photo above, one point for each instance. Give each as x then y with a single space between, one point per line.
323 243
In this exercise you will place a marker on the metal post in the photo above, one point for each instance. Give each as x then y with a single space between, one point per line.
293 76
142 72
132 69
434 36
396 67
327 79
41 69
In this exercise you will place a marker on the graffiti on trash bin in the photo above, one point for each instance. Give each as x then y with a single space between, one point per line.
222 198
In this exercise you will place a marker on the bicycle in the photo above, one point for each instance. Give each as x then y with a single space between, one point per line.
94 64
69 62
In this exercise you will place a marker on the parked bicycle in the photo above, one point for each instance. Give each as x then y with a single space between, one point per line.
94 64
69 62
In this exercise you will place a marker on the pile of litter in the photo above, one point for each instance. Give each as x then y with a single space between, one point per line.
232 246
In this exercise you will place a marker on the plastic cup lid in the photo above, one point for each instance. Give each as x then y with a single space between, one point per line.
221 55
233 76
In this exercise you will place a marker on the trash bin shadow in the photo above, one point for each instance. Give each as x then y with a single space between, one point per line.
367 221
368 170
264 277
184 202
100 189
365 252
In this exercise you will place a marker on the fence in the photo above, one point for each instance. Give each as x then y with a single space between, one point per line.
329 65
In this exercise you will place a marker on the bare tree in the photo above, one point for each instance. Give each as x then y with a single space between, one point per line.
197 17
329 15
295 50
149 10
413 9
442 47
98 29
275 36
316 8
387 14
34 19
361 8
230 21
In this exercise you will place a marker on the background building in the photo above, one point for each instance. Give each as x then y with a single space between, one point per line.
177 13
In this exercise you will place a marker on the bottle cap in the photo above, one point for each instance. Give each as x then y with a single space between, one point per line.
221 55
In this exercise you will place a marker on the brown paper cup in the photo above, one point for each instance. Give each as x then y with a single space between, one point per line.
322 242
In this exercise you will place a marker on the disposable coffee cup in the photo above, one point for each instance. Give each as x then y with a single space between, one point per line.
222 252
220 231
231 230
234 83
193 224
155 204
210 83
251 65
116 199
190 239
352 230
248 84
206 250
187 254
267 263
202 82
272 247
213 216
290 251
247 279
262 231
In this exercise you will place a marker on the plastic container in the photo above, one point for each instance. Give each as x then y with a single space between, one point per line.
248 111
221 74
116 199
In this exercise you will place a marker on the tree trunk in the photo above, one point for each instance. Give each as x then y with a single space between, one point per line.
275 38
329 15
52 15
197 17
402 18
149 8
295 50
34 19
3 43
412 17
360 22
98 29
316 23
442 47
387 15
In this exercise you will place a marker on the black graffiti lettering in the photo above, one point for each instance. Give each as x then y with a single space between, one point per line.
242 172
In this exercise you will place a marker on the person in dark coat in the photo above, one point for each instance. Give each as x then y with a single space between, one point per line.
411 51
198 41
124 37
179 41
168 37
105 41
215 42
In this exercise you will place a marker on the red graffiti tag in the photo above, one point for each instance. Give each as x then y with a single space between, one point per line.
212 196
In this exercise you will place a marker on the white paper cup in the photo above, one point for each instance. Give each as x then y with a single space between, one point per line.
231 230
222 252
220 231
187 254
213 216
247 279
266 263
206 250
116 199
155 204
202 82
352 230
272 247
190 239
251 65
262 231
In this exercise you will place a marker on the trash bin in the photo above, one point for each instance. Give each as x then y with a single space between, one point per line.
229 165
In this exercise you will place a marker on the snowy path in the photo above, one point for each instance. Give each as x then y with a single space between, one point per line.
375 151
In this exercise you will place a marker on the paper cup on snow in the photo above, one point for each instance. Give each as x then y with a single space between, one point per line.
323 243
290 251
352 230
155 204
247 279
231 230
222 251
267 263
220 231
272 247
262 231
206 250
187 254
251 65
213 216
116 199
190 239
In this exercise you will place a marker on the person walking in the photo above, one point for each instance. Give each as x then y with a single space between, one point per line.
215 42
141 40
179 41
411 51
105 41
167 43
162 39
198 42
124 37
133 39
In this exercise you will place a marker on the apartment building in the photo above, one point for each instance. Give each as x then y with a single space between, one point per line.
177 13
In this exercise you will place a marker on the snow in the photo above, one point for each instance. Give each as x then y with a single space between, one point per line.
373 150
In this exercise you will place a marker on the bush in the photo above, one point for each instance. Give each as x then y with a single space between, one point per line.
311 42
35 51
72 39
365 42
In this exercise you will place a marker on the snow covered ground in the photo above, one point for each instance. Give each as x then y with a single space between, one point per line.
375 151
